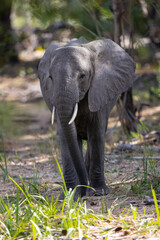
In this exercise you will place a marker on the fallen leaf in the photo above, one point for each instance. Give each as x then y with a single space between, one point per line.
64 232
93 203
118 229
126 232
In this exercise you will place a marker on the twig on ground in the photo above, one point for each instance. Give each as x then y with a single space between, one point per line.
131 147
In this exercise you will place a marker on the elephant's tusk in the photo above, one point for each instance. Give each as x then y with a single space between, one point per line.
53 113
74 114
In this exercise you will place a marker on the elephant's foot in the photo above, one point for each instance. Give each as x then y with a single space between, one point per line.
98 191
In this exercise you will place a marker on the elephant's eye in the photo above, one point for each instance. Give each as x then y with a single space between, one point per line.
82 76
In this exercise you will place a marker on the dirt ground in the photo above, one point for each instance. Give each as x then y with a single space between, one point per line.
31 146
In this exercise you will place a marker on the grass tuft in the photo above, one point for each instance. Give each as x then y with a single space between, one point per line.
32 216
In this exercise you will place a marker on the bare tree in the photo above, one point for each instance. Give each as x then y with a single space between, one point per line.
7 39
125 104
92 14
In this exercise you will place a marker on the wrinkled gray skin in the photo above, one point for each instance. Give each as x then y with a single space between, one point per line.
92 75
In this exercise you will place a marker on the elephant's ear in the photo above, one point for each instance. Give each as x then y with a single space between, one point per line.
46 82
114 73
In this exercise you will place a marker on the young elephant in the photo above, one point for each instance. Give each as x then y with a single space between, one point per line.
82 83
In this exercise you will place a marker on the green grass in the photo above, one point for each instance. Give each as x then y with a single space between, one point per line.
34 216
149 175
37 217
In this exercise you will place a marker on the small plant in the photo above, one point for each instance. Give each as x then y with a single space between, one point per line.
104 207
3 159
149 175
156 206
141 129
155 91
4 168
134 212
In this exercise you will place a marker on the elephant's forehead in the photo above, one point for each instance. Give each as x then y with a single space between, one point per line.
72 54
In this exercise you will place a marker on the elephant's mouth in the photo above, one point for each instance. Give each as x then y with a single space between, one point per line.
73 115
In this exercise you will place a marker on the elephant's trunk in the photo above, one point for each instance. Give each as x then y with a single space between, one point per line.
65 109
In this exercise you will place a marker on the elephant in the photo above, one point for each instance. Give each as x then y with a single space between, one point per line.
80 83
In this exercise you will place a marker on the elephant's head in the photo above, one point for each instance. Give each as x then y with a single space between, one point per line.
101 68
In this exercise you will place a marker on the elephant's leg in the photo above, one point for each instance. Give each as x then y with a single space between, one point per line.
96 156
69 172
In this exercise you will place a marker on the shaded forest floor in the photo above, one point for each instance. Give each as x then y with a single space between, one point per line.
31 147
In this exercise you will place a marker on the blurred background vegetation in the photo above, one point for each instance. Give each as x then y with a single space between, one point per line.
89 18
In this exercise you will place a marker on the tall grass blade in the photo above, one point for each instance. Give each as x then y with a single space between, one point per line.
134 212
7 230
5 168
60 170
5 206
17 206
21 191
156 205
35 228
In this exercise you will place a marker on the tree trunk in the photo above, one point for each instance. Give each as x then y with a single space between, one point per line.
125 104
7 38
126 111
